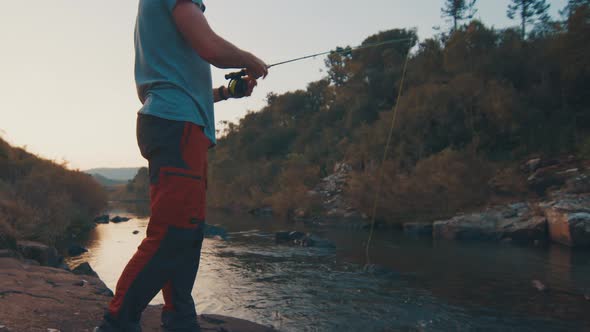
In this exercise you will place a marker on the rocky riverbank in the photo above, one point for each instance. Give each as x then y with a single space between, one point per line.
557 208
35 298
561 213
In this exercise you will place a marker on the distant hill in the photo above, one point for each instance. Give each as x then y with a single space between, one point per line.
117 174
106 181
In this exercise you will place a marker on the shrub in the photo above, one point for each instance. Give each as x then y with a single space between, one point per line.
438 186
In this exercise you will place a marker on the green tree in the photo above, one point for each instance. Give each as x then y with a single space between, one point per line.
458 10
528 11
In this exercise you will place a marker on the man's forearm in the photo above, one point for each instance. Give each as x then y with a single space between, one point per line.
217 95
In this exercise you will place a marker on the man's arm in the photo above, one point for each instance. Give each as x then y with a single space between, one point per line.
212 48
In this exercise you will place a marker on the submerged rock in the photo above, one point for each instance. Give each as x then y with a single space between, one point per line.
119 219
262 211
302 239
214 231
84 269
104 219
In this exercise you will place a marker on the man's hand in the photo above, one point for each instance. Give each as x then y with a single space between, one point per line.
255 67
252 83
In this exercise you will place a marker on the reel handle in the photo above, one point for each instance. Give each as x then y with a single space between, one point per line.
236 75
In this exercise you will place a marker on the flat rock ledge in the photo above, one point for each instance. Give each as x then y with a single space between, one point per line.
39 299
564 220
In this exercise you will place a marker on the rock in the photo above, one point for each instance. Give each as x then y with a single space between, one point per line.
135 232
531 165
526 230
263 211
76 250
213 231
288 237
104 219
7 253
569 220
150 321
84 269
578 184
3 328
31 262
44 255
302 239
7 236
418 228
512 221
119 219
473 227
81 283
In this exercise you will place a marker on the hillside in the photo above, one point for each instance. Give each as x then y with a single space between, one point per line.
43 201
476 103
106 181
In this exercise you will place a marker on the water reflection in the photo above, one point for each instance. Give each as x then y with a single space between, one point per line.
441 285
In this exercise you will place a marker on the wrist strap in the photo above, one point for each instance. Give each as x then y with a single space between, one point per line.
221 93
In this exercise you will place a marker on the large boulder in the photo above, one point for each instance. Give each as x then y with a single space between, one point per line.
569 220
44 255
514 222
525 230
472 227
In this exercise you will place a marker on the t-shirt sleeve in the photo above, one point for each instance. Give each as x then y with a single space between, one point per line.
171 4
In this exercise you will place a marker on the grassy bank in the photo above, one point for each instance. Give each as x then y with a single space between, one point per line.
43 201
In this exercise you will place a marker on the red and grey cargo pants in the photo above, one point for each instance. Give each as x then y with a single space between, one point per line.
168 258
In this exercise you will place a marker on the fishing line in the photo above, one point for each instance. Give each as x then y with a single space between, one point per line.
342 51
380 177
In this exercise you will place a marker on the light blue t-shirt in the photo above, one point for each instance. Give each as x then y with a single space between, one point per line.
173 81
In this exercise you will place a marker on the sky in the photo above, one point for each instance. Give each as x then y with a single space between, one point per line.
66 87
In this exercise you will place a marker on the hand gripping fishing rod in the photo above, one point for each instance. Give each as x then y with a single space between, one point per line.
238 86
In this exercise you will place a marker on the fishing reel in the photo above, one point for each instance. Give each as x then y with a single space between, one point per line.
238 86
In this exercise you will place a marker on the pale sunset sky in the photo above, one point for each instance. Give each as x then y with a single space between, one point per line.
66 66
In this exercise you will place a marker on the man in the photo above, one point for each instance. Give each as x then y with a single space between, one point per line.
174 50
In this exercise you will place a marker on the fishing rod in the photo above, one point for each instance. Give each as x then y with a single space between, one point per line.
238 86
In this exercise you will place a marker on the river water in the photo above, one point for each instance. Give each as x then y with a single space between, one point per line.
422 285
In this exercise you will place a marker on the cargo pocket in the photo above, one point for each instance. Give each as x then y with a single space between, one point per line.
179 198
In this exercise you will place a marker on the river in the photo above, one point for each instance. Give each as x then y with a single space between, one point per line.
424 286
